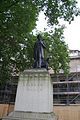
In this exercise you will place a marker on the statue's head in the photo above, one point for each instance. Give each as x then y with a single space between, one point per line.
39 37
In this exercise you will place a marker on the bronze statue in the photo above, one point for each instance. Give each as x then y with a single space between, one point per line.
39 47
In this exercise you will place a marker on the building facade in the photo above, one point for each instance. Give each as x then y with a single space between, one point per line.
67 88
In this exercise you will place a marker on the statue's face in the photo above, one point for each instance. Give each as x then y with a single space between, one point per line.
39 37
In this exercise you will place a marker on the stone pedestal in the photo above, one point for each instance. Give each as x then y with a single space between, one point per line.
34 98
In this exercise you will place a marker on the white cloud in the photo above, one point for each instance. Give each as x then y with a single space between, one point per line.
41 24
72 34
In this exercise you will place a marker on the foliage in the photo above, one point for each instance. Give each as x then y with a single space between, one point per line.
17 20
57 9
57 50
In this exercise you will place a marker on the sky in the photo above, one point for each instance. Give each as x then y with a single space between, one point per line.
71 32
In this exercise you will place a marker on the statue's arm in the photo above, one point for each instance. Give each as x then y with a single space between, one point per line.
43 44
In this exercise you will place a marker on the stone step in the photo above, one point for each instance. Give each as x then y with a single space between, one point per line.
30 116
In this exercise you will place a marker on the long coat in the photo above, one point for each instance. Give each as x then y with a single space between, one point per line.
39 52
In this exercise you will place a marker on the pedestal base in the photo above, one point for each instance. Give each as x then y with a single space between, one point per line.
30 116
34 99
34 92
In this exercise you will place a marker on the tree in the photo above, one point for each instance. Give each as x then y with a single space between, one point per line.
59 9
17 20
57 50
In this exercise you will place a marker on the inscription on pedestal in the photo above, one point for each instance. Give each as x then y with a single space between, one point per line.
38 84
